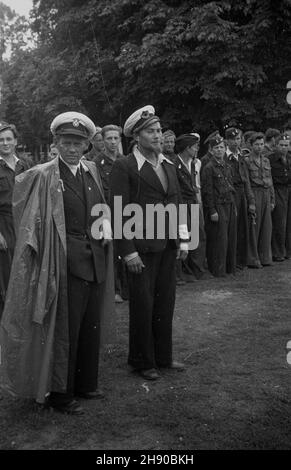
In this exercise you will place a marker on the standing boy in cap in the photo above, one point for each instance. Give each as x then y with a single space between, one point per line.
260 253
244 198
220 212
205 159
10 166
61 277
147 178
187 148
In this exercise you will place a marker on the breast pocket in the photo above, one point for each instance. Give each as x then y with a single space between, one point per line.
267 170
4 184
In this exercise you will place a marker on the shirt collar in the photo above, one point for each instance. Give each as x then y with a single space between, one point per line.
16 159
74 168
231 155
186 166
140 159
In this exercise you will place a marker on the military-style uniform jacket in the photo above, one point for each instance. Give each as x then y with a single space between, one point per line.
260 174
217 185
240 176
104 165
187 181
281 170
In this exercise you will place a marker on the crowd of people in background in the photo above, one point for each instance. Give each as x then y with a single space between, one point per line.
243 187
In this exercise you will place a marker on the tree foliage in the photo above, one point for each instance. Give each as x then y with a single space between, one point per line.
202 64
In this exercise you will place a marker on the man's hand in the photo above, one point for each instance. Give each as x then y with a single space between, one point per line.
135 265
252 209
214 217
3 244
182 254
272 207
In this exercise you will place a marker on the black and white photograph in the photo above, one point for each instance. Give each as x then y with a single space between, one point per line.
145 228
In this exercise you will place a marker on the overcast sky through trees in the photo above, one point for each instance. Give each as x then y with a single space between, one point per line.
21 7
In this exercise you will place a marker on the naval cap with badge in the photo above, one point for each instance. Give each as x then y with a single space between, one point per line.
73 123
139 120
215 141
232 132
211 136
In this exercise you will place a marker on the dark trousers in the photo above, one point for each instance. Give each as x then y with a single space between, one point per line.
242 227
279 221
288 225
6 256
196 259
221 240
151 307
261 233
84 338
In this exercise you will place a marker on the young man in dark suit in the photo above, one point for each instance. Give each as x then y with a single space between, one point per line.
146 177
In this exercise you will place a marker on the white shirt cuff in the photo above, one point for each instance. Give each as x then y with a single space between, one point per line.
184 246
183 232
130 256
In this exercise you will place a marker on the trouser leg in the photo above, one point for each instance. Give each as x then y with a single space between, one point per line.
141 301
265 234
87 361
279 219
288 225
163 308
231 215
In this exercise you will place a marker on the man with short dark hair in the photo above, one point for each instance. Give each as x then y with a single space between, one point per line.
111 135
270 140
169 138
10 167
260 253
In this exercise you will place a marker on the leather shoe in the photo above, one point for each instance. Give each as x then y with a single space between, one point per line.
71 408
96 395
150 374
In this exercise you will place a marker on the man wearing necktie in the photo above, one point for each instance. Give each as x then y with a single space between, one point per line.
62 277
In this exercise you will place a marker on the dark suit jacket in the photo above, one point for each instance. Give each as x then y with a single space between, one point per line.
143 188
85 255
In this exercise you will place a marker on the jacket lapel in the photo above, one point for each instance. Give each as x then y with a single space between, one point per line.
70 183
57 202
146 173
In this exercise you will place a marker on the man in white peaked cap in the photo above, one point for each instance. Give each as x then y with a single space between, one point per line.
61 281
146 177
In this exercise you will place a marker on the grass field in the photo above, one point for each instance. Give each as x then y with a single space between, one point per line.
235 393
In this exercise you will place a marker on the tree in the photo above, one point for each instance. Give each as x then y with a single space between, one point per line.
201 63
